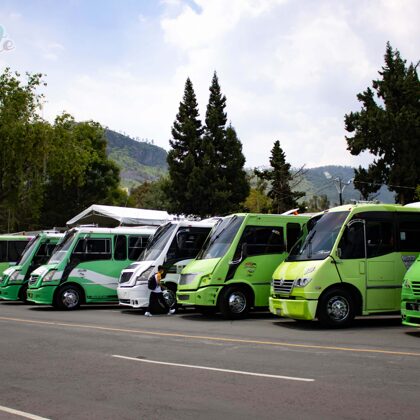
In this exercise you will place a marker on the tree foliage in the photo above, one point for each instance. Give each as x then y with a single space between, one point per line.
205 164
318 203
280 180
388 126
151 195
48 173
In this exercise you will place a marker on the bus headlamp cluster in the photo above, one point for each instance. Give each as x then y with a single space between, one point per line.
49 276
143 278
188 278
14 276
302 281
406 284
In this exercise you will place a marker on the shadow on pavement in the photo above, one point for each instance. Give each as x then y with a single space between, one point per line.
47 308
358 324
414 333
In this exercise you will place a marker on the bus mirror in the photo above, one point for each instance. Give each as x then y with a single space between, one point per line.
244 254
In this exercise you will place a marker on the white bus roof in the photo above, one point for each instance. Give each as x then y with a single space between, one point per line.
112 216
142 230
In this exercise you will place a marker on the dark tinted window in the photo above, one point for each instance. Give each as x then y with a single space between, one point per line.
11 251
261 240
380 238
43 254
408 232
93 249
120 247
136 245
293 232
187 242
352 243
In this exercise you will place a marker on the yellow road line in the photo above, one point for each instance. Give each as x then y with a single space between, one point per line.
220 339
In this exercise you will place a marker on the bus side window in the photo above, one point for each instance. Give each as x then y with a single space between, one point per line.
409 232
293 233
15 250
136 245
352 243
261 240
3 251
379 237
92 249
120 247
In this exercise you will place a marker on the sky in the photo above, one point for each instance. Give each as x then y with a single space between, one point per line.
290 69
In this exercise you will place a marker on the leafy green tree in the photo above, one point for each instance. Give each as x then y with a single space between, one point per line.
388 126
184 157
280 177
318 203
23 144
151 195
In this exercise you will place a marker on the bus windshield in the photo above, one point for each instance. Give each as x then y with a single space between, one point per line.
320 239
61 249
28 250
158 242
220 238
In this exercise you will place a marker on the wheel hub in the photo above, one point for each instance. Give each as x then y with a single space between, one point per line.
338 308
70 298
237 302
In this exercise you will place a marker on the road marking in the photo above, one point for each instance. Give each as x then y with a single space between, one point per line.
239 372
219 339
21 413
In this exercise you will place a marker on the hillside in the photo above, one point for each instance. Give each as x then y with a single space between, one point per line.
139 161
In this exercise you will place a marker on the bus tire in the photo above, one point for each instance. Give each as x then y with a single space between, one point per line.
336 308
234 302
22 293
170 298
68 297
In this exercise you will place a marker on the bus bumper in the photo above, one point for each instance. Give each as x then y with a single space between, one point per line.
205 296
134 297
10 292
42 295
410 313
291 308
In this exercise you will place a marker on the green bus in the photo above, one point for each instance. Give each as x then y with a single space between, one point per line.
352 262
232 272
11 248
410 296
14 282
86 266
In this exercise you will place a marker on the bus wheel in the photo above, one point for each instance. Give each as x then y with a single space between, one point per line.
170 298
68 298
234 303
22 293
336 308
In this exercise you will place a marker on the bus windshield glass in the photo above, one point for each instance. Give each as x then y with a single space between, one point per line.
28 250
158 242
61 249
320 239
220 238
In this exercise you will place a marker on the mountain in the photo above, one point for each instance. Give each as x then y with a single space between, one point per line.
142 161
139 161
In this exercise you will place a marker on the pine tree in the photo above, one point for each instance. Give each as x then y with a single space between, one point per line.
388 126
280 177
226 185
184 157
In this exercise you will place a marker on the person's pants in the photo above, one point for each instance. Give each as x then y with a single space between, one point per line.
157 303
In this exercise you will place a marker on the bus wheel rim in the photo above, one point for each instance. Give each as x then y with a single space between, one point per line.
70 298
338 308
237 302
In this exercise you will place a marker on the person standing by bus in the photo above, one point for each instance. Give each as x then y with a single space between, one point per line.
156 294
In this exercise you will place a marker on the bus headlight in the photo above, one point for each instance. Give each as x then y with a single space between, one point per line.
49 276
14 276
302 281
406 284
143 278
187 278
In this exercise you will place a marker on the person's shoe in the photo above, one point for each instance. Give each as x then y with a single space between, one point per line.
171 311
147 314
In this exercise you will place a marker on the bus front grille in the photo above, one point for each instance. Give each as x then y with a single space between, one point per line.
415 285
125 277
33 279
283 286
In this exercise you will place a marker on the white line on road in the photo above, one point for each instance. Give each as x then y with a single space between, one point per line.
239 372
21 413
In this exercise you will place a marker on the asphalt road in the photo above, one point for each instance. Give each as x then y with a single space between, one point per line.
102 362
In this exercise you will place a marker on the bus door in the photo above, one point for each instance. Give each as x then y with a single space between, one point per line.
259 252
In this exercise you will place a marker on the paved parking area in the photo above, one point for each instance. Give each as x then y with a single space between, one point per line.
104 362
